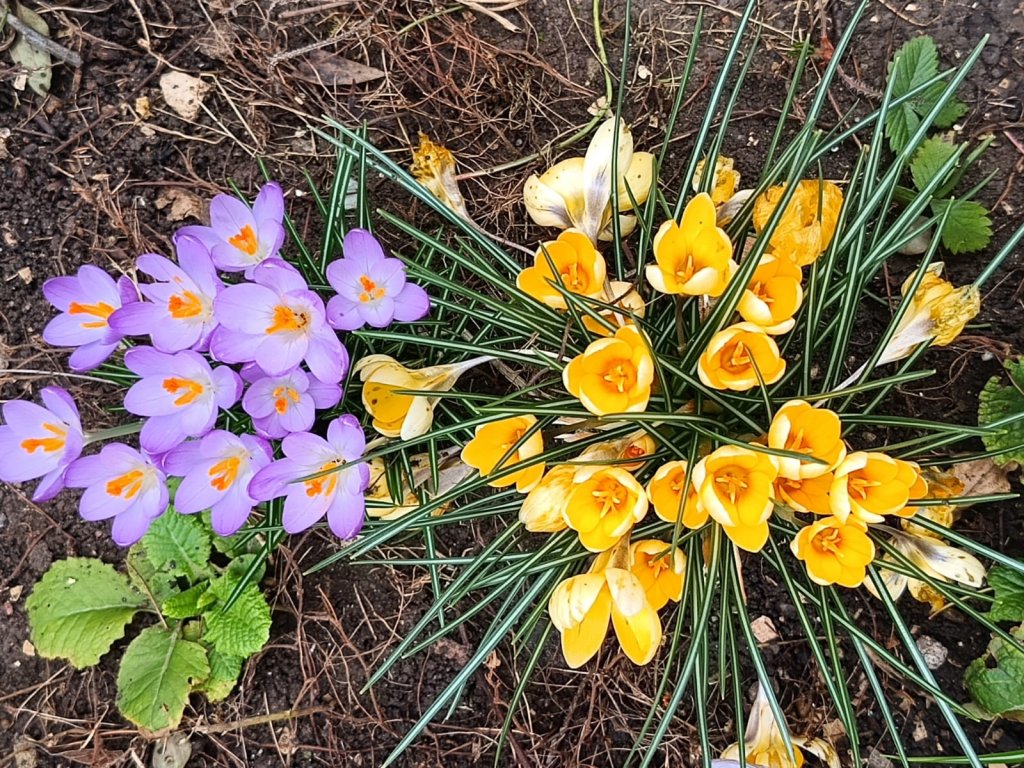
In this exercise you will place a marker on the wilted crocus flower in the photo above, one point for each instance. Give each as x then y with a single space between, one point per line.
240 238
123 484
577 192
86 302
179 393
372 289
764 745
277 322
338 494
37 441
280 405
179 311
433 166
216 472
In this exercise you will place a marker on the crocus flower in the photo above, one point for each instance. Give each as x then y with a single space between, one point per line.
493 442
433 166
736 356
277 322
871 485
123 484
38 441
692 257
665 492
773 295
86 302
604 505
623 296
579 267
179 393
215 473
801 428
400 415
240 238
805 230
809 494
835 551
765 746
660 569
613 374
581 606
283 404
179 311
723 187
577 192
372 289
734 485
338 494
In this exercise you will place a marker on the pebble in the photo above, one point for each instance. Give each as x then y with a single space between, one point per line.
934 652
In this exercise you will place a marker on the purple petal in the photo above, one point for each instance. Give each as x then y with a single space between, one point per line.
269 203
271 481
229 215
271 236
346 437
161 268
161 433
343 275
61 291
281 276
363 249
127 291
194 259
61 405
72 330
51 484
205 235
301 510
97 504
24 416
137 319
324 395
379 313
411 304
180 461
231 346
19 465
390 275
227 386
279 353
98 285
149 397
308 450
327 357
146 361
297 416
345 515
91 355
173 335
248 308
230 513
196 491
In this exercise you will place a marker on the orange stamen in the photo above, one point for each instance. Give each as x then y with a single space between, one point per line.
192 389
245 241
323 485
127 485
100 309
283 395
223 473
370 290
184 304
287 319
48 444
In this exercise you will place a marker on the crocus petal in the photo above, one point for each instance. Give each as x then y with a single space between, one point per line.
302 511
271 481
161 433
327 357
411 304
89 356
230 513
345 515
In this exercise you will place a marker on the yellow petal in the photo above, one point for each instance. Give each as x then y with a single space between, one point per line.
638 634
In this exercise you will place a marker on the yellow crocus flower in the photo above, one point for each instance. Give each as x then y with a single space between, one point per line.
613 374
801 428
734 485
869 485
579 266
665 492
805 229
433 166
693 257
835 551
494 440
603 506
725 182
736 355
773 295
661 570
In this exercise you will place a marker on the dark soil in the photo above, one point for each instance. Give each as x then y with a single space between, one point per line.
86 174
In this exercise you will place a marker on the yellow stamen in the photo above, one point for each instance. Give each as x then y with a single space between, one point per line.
326 484
287 319
371 291
223 473
184 304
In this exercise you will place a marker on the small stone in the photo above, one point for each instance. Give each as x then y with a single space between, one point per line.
934 652
878 760
15 592
764 630
920 732
28 649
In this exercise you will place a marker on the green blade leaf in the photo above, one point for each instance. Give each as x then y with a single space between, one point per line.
1009 588
998 401
179 544
244 628
968 227
79 608
157 673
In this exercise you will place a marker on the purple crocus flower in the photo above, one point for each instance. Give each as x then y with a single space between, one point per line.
40 442
86 302
216 471
240 238
280 405
123 484
179 313
339 494
180 393
277 322
371 288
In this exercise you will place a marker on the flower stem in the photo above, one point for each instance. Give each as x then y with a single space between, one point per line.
112 432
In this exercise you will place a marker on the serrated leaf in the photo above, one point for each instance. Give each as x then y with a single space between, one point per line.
951 111
915 63
79 608
996 680
244 628
184 604
147 578
900 124
997 401
179 544
157 673
238 567
968 227
933 153
1008 584
36 61
224 672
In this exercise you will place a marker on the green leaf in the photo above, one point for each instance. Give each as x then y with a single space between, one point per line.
157 673
933 153
224 672
914 64
968 227
998 401
147 578
185 604
996 680
79 608
1008 584
179 544
244 628
951 111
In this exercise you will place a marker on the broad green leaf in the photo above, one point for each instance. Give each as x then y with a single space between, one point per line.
147 578
933 153
224 672
184 604
36 61
951 111
1008 584
238 567
244 628
179 544
157 673
996 680
79 608
968 227
999 400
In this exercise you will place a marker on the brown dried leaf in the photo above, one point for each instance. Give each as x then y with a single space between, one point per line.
982 477
184 204
330 70
183 93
